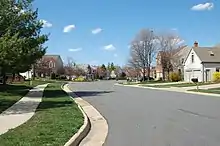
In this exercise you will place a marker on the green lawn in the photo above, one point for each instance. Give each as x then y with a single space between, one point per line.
146 82
180 85
55 122
211 90
11 93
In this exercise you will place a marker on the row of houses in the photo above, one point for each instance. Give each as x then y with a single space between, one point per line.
54 64
189 62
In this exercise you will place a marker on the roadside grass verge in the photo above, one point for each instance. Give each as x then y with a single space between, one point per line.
56 120
211 90
180 85
11 93
145 82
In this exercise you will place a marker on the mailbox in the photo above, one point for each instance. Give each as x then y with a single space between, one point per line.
194 80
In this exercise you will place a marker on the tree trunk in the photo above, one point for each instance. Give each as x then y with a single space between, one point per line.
144 72
13 77
168 74
4 79
163 74
34 75
148 72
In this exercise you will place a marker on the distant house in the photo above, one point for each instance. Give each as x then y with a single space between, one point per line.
49 64
177 61
201 63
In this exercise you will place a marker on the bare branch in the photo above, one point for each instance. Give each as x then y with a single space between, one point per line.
169 45
142 51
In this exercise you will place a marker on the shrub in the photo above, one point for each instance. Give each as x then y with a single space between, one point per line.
175 77
80 79
216 76
53 76
62 77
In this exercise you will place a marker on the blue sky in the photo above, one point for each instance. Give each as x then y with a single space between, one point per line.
119 22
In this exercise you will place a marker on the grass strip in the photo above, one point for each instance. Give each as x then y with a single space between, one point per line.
56 120
211 90
180 85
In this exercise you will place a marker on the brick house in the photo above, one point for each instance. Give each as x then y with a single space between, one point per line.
49 64
178 57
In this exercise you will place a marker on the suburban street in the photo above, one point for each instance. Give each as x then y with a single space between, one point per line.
146 117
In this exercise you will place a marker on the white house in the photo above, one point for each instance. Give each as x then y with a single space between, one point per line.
27 74
201 63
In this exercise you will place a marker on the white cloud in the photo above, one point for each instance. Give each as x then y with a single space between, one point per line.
46 23
68 28
75 50
174 29
109 47
115 55
204 6
96 31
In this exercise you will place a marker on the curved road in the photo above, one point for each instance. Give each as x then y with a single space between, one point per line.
146 117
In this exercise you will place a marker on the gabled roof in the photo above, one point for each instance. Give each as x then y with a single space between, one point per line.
51 56
208 54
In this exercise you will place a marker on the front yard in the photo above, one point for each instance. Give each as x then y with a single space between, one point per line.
56 120
178 85
211 90
145 82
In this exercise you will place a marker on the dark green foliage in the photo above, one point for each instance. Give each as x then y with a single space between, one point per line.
123 75
53 76
21 43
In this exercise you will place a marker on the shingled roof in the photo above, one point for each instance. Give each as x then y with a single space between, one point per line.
208 54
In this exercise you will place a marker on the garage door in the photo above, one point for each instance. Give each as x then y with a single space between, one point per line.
197 74
187 75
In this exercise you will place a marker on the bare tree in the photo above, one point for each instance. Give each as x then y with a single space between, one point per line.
169 44
69 67
142 51
131 71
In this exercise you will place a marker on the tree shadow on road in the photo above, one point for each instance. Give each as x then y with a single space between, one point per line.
91 93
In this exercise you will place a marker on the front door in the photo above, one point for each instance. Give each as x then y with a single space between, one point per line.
207 75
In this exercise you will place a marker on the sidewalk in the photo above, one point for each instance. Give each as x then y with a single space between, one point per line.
22 110
168 83
195 87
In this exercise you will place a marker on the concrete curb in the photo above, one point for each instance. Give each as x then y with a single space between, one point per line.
202 93
95 133
84 129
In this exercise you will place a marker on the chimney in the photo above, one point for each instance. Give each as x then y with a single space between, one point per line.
196 44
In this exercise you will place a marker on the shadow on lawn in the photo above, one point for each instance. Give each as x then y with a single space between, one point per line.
14 89
91 93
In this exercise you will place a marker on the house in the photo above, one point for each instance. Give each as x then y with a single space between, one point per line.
49 64
178 58
201 63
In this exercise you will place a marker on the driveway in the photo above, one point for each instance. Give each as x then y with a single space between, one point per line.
146 117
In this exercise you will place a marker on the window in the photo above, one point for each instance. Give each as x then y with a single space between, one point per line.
51 64
192 57
182 60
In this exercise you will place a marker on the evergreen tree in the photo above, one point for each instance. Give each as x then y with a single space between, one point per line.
21 41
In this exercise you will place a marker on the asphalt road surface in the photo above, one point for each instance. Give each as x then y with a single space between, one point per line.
146 117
